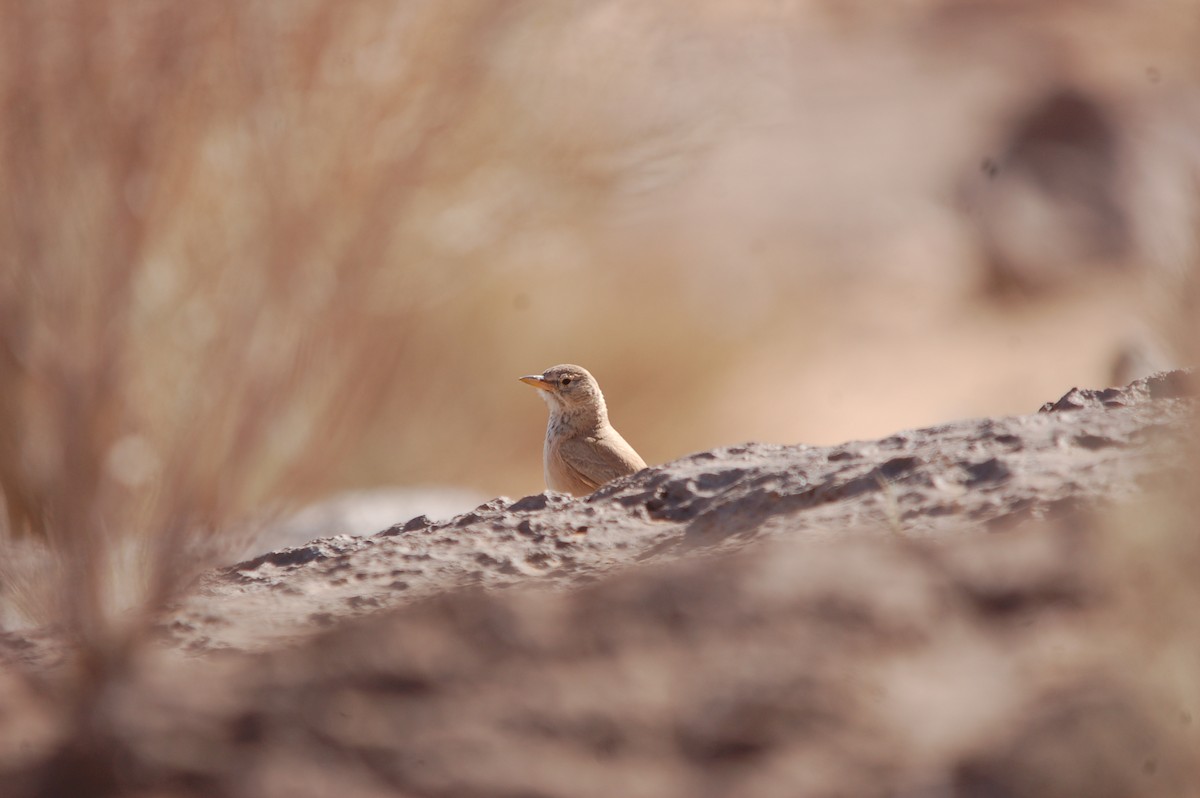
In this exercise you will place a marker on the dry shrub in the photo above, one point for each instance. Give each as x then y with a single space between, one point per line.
201 301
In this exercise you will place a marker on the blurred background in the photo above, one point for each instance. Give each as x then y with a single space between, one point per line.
263 252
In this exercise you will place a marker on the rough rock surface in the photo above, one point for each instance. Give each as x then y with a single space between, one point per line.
359 512
975 475
989 607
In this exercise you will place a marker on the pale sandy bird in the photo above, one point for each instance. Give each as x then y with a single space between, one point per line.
582 449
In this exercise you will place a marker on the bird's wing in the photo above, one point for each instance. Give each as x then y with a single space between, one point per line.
600 459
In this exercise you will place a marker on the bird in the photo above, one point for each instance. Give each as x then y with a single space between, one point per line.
582 450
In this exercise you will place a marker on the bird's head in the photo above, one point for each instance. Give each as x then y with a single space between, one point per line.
567 387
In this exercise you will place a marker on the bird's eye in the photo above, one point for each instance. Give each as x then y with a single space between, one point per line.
565 381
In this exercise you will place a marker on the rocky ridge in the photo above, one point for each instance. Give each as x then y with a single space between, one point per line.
974 475
995 607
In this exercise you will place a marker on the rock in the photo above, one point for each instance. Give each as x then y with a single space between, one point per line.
954 610
950 480
1163 385
360 512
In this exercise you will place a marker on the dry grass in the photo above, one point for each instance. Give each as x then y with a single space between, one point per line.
201 304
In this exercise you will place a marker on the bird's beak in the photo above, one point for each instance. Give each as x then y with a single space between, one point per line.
536 381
